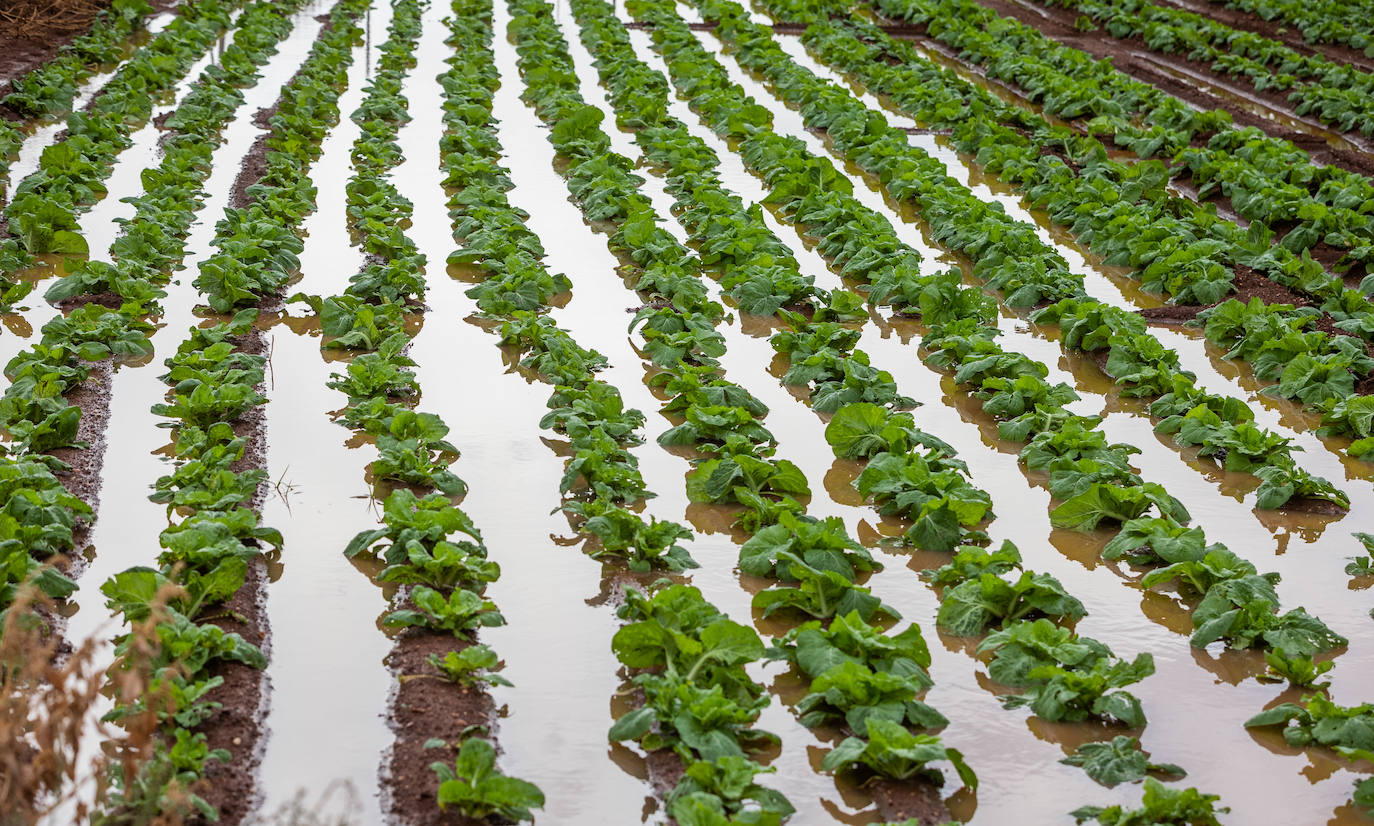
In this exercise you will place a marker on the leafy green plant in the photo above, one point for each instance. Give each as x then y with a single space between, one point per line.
1160 805
1319 721
460 614
475 788
1299 672
892 751
1119 760
470 666
1362 566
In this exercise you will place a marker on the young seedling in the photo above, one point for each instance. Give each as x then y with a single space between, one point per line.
475 788
467 667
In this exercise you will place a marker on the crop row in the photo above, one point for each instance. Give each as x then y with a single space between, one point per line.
697 646
1338 94
426 545
48 90
1266 179
861 678
1009 256
1092 478
42 214
1123 212
216 376
1320 21
34 410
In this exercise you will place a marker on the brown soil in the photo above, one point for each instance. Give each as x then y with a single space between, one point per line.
425 709
237 726
917 799
1249 284
254 167
1133 57
83 480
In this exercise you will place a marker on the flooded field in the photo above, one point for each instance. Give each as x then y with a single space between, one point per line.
368 176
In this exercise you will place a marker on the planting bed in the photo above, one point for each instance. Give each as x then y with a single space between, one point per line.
406 405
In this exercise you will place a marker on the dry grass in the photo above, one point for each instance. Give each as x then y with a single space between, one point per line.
46 704
39 19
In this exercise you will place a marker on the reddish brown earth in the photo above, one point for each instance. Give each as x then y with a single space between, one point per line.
83 480
424 709
919 799
237 726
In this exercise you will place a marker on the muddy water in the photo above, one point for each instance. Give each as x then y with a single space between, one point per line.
324 611
126 532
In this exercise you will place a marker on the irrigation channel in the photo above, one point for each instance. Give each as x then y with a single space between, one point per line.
329 722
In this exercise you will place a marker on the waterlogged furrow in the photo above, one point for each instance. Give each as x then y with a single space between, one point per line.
216 477
432 550
555 732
